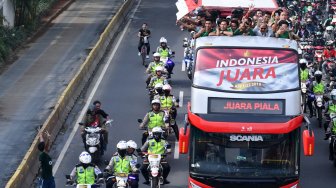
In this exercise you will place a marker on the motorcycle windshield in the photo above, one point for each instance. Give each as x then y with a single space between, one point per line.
244 155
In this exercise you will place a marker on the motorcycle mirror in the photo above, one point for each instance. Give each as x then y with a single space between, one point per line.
138 165
100 175
67 176
106 162
168 146
177 100
138 150
173 52
139 120
81 123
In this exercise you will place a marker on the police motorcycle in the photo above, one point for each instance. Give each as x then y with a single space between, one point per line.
94 139
122 180
188 59
318 100
98 183
155 168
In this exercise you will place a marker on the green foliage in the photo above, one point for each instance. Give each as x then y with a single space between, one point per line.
28 15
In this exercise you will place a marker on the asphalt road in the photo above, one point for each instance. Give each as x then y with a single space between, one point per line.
30 87
124 97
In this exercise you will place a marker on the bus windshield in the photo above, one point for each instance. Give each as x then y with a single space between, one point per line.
244 155
246 70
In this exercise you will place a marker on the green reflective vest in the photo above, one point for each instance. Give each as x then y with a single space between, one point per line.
155 120
160 64
156 147
85 175
121 165
318 88
157 81
332 108
164 53
166 102
304 74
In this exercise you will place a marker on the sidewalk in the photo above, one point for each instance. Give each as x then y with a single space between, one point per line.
30 87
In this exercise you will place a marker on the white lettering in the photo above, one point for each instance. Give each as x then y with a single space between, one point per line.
245 138
247 61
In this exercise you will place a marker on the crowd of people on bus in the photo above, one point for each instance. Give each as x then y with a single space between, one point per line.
296 21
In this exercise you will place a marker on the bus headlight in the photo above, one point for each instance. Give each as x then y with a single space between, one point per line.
194 185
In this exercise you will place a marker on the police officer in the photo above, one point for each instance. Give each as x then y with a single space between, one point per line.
158 77
152 66
330 127
317 88
156 145
121 163
131 148
168 102
304 72
85 172
163 49
154 118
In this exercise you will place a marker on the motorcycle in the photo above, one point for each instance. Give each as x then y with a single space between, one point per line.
188 59
94 141
318 108
72 183
169 64
155 170
304 96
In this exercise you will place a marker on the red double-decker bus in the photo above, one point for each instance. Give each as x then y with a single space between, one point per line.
243 127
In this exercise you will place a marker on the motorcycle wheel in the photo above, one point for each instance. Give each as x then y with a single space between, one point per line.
304 103
155 182
319 116
96 157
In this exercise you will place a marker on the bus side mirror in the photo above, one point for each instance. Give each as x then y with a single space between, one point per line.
308 140
184 140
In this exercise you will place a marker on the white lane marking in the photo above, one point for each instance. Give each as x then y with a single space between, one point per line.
181 99
53 42
176 151
183 66
73 132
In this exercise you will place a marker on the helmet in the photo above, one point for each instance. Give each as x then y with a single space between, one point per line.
85 157
303 61
156 101
162 39
319 33
158 85
156 54
330 28
310 8
333 94
122 145
157 130
158 68
317 73
132 144
167 87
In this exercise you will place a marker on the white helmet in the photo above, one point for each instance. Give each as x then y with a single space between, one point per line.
303 61
156 101
162 39
157 130
156 54
317 73
85 157
333 94
122 144
132 144
158 68
167 87
330 28
158 85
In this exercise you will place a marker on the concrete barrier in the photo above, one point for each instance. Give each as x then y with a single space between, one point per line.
28 169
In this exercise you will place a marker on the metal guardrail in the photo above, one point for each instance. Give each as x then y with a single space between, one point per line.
28 169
